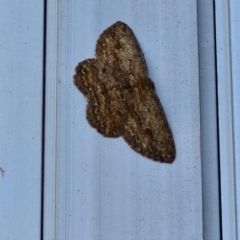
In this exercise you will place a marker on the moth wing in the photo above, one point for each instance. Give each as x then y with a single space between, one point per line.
147 130
83 78
118 46
98 115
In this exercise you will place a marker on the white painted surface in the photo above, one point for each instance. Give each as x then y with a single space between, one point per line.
209 128
228 60
235 53
21 48
50 123
104 190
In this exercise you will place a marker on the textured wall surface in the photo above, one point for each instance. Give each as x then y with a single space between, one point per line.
21 80
103 189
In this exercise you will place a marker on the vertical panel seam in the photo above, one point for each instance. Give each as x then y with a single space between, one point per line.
43 114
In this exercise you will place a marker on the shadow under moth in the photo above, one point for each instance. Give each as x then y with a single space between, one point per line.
121 98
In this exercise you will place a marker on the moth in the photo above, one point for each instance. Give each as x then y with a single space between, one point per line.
121 97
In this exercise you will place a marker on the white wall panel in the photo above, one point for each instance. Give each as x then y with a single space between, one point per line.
209 121
235 53
21 81
227 35
103 189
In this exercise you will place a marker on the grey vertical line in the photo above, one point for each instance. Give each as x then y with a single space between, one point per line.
43 114
212 228
226 120
217 104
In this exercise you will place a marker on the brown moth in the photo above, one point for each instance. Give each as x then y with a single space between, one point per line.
121 98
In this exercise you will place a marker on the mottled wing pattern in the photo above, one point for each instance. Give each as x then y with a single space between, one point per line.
98 115
121 98
147 130
119 47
